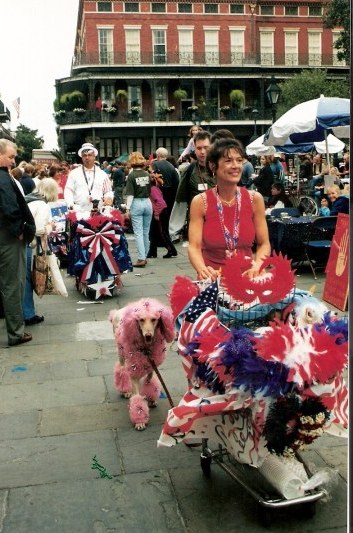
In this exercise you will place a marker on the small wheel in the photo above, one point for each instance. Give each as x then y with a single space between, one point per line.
308 205
265 516
205 461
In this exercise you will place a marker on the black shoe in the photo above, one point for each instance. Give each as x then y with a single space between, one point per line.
34 320
26 337
151 256
170 254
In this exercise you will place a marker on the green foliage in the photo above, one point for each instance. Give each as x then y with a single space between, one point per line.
337 15
121 95
180 94
27 140
237 98
68 101
307 85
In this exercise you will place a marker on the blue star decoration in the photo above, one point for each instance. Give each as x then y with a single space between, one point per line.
206 300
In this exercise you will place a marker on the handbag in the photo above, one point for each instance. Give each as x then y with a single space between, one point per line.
41 278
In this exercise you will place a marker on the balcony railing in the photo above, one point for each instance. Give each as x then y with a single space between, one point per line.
208 59
69 117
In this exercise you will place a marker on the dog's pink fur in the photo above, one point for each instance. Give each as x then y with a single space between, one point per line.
140 327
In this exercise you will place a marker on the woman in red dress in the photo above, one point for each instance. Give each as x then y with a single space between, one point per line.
226 218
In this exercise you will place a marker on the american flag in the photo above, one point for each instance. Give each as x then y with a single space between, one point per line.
206 300
16 104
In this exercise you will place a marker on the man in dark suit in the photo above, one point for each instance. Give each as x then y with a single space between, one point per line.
17 228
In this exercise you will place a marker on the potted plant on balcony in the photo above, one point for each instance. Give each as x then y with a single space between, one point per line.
110 109
59 114
79 111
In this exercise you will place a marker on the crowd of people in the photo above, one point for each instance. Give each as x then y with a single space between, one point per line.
210 196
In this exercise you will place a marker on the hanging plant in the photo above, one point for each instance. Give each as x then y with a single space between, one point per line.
180 94
121 95
237 98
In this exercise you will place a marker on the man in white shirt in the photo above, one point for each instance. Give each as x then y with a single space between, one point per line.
87 182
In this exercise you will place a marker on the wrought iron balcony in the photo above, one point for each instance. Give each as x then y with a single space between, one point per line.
207 59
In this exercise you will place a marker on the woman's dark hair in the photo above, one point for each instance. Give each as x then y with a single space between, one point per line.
221 134
279 186
220 148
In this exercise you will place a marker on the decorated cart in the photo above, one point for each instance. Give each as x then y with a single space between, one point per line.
98 253
264 364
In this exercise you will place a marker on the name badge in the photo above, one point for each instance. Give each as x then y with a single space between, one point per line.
202 187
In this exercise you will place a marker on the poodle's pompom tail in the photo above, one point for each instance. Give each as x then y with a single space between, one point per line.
151 389
138 410
122 379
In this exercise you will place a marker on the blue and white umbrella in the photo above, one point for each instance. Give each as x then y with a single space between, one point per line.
257 147
311 121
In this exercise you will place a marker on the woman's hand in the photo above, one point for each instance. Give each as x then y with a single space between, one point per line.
207 272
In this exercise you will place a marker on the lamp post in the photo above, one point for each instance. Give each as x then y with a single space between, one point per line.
254 113
273 93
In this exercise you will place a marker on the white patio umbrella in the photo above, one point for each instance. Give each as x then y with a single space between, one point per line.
311 121
257 147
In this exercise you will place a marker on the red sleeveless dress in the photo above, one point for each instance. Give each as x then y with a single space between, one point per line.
213 242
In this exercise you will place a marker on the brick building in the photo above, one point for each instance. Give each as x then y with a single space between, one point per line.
144 72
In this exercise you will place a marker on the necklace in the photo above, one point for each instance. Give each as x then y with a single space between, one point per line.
227 203
231 238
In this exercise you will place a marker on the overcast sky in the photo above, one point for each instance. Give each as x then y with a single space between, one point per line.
37 40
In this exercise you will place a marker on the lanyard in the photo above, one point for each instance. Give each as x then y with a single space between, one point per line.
94 177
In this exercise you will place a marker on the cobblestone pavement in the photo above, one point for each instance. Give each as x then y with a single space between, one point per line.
59 409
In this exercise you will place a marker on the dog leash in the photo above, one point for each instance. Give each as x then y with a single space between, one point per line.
154 366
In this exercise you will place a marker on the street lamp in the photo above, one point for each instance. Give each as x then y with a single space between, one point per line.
254 113
273 93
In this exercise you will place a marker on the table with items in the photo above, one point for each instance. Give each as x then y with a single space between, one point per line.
287 235
98 253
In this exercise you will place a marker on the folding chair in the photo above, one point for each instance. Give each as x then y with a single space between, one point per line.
318 244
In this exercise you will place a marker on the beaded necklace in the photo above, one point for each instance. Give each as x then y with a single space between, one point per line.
231 239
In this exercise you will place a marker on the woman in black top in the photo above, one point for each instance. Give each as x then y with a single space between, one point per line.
265 179
138 202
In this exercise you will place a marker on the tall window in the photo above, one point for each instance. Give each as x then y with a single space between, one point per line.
160 96
132 45
105 39
236 46
314 48
335 60
266 47
211 46
186 49
291 47
159 46
184 8
108 94
104 6
134 96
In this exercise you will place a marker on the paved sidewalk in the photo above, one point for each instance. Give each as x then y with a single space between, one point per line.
59 409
